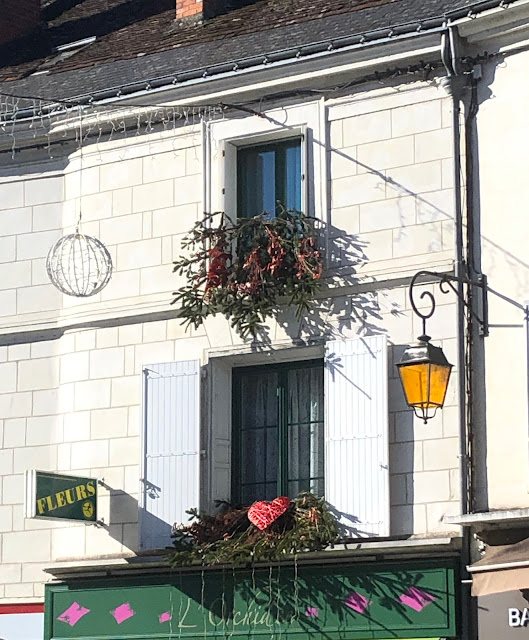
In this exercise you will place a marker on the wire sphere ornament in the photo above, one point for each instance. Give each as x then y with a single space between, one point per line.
79 265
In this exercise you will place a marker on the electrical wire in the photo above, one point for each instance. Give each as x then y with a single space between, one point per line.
424 68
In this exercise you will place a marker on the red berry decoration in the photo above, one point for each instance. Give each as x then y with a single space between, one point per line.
262 514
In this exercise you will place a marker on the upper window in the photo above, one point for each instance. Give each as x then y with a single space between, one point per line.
269 176
278 431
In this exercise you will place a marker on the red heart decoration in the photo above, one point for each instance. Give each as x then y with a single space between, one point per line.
263 513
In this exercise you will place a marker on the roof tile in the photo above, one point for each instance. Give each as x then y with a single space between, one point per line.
134 30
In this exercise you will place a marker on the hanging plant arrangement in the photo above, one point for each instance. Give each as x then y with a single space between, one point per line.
246 269
266 532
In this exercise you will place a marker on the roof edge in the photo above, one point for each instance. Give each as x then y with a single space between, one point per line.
359 40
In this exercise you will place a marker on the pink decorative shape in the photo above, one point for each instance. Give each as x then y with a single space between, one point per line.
416 598
262 514
357 602
123 612
165 617
312 612
73 614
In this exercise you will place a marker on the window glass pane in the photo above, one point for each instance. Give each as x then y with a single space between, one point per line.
259 400
268 174
272 455
253 468
256 186
267 188
305 430
258 463
249 492
280 447
292 198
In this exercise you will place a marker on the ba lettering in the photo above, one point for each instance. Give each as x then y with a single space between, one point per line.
518 618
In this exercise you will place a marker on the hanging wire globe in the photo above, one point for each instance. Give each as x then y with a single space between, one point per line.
79 265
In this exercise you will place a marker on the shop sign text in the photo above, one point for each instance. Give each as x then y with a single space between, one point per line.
518 617
53 495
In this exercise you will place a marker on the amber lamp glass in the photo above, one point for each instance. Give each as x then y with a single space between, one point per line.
424 373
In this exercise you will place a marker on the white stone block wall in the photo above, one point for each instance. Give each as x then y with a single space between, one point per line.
72 404
138 200
504 165
386 169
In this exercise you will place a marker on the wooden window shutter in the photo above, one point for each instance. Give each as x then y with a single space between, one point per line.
356 433
170 448
220 432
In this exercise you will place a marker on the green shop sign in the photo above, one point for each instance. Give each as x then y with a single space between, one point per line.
51 495
356 602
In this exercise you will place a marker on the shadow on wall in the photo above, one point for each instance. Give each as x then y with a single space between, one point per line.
126 517
346 254
402 439
359 312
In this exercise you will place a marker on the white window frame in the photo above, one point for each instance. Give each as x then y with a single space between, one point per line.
374 521
220 364
226 136
232 163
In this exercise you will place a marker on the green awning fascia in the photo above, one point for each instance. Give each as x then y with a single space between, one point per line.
232 604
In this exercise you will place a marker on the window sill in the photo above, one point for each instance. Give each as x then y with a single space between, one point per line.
352 551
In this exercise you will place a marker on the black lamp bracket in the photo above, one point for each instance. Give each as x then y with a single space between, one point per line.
447 283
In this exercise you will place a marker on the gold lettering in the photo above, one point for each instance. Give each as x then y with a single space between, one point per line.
69 496
50 504
61 499
81 492
40 505
90 487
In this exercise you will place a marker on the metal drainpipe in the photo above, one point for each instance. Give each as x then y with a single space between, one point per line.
454 83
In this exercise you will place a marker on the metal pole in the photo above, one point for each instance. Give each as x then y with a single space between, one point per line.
454 85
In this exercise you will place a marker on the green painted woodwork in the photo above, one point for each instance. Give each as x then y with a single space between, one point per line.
277 602
63 497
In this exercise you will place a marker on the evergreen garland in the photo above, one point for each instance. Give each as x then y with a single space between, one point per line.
229 538
242 269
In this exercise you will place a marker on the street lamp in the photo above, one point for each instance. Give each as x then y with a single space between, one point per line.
424 373
424 370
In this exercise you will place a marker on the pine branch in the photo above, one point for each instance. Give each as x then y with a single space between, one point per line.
229 538
243 269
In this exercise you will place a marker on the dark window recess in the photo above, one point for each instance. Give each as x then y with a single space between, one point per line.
269 174
278 431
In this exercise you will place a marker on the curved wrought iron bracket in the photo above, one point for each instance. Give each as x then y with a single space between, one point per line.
446 284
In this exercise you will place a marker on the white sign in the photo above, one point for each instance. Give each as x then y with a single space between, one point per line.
22 626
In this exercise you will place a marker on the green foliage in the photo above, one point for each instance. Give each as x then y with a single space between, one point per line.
246 269
229 538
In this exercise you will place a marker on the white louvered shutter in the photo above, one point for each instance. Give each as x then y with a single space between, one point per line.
356 433
171 449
